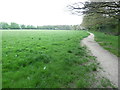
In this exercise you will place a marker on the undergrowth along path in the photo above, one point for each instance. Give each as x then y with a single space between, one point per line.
107 60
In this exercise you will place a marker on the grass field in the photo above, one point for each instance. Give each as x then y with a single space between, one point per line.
47 59
0 59
109 42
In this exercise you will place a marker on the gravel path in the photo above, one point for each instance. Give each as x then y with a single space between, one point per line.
108 61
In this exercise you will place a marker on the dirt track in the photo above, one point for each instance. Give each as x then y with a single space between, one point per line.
108 61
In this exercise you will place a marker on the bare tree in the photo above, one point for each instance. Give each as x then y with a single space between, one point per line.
111 9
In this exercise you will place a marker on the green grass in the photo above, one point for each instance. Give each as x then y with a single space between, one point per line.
46 59
0 59
109 42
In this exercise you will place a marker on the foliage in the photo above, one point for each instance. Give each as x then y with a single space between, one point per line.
4 25
23 26
98 22
111 9
109 42
56 27
14 26
99 16
30 27
77 27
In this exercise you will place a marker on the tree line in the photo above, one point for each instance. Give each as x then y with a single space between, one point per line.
13 25
103 16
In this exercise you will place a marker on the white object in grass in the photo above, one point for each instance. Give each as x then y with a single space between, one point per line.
44 68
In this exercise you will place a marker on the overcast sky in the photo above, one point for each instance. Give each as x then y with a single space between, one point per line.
38 12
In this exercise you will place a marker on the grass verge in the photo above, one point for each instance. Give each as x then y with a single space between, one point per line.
109 42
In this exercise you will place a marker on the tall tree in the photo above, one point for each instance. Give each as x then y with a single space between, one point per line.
107 11
23 26
111 9
4 25
14 26
98 22
30 27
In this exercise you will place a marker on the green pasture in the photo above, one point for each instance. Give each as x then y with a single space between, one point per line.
109 42
47 59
